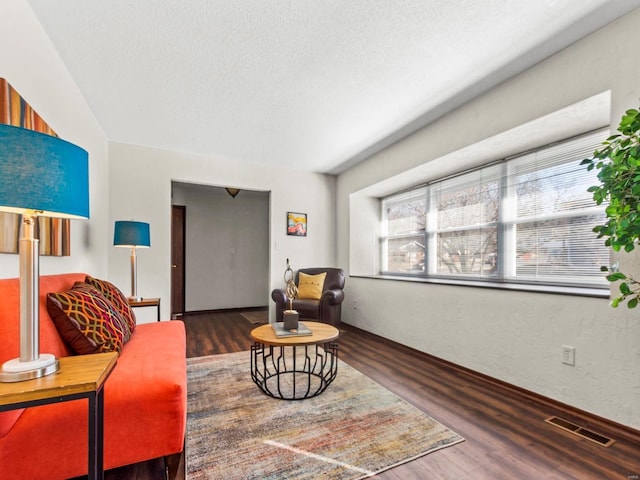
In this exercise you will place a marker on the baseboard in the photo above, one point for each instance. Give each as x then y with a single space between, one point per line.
222 310
617 430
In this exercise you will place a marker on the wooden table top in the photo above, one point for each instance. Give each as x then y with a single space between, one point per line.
322 333
77 374
144 302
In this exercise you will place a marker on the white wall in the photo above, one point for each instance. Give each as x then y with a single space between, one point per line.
30 64
512 336
226 246
140 189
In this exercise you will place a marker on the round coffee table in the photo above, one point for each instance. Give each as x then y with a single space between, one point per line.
294 367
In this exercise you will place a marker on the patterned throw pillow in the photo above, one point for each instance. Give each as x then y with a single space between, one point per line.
310 286
116 297
87 321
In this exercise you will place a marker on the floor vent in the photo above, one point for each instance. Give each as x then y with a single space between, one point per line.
580 431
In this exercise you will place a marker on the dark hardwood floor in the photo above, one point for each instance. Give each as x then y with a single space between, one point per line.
506 436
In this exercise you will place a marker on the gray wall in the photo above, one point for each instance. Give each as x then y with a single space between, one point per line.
513 336
227 247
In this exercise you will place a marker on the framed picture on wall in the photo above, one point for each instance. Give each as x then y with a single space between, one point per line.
297 224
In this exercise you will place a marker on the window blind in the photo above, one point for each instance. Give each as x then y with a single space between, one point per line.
526 219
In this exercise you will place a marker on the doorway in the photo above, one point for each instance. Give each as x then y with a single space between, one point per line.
226 248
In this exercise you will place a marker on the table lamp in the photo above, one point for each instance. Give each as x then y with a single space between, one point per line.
132 235
40 175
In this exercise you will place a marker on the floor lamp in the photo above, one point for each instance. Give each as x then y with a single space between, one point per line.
40 175
132 235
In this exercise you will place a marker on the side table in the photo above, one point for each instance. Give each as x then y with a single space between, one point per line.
145 302
80 376
295 367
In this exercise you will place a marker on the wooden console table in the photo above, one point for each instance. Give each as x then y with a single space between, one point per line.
80 376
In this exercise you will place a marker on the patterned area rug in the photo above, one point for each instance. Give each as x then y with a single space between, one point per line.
256 316
354 430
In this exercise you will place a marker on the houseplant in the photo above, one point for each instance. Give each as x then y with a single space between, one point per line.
618 165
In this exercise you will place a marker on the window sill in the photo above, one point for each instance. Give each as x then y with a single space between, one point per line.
522 287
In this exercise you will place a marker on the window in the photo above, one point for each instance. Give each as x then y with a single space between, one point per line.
405 225
526 219
464 237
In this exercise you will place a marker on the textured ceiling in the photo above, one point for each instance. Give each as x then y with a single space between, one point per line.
305 84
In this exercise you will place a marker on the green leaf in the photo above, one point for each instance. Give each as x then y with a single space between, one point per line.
614 277
633 303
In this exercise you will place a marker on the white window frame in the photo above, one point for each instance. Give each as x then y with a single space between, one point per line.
506 229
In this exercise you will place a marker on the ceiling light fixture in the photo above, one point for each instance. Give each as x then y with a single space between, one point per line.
232 191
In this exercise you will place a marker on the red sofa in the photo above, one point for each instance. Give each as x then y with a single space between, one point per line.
145 398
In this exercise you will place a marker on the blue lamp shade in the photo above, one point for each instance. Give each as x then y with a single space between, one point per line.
42 174
131 234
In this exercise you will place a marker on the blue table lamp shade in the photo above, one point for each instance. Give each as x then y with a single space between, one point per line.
132 235
43 174
39 175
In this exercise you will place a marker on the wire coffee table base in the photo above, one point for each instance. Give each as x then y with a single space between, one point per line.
294 372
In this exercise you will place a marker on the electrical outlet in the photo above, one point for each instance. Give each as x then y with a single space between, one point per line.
568 355
355 303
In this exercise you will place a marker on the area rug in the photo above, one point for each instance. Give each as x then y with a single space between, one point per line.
354 430
256 316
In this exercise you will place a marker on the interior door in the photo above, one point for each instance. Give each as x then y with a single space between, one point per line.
178 217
